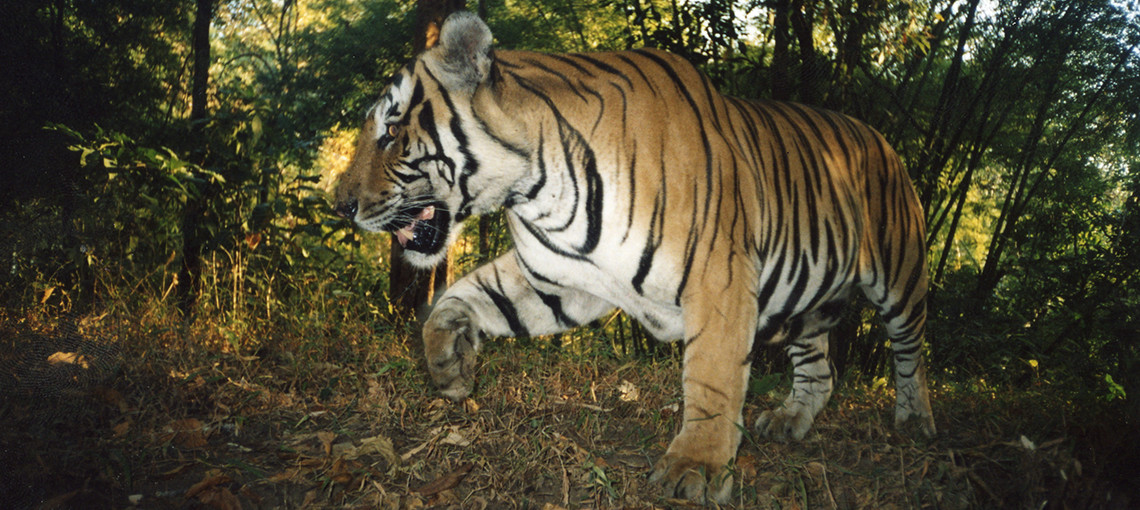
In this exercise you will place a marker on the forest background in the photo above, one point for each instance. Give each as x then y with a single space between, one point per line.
166 166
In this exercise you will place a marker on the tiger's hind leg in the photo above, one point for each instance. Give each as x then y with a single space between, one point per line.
906 331
903 311
812 382
812 376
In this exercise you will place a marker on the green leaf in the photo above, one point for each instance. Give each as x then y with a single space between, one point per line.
764 385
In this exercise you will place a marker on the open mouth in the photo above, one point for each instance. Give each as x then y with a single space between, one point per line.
427 232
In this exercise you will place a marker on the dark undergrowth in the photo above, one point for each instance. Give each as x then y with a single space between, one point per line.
111 413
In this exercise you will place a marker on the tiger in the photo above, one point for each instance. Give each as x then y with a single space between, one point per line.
628 182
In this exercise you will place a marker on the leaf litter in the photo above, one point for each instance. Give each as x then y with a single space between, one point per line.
542 430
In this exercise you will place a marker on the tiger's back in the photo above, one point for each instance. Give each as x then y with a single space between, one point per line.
763 180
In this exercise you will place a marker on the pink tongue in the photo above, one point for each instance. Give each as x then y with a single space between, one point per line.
407 233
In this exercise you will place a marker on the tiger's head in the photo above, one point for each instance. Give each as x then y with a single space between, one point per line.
436 147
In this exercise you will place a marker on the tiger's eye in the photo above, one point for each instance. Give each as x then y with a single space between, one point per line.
392 130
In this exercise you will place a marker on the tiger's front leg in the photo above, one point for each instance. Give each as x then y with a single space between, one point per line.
719 327
497 299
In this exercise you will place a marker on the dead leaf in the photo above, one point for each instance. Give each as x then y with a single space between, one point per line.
169 474
446 482
188 433
310 498
121 429
408 454
341 471
326 441
375 445
220 498
815 469
747 465
443 499
67 358
453 437
283 476
629 392
111 397
208 483
250 494
311 462
470 406
343 449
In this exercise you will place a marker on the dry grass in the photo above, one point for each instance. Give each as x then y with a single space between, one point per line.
343 417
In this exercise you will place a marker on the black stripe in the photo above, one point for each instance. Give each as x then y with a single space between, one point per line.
632 208
570 61
606 68
691 243
537 64
540 236
594 197
532 193
534 274
505 305
796 363
637 67
417 94
651 244
554 303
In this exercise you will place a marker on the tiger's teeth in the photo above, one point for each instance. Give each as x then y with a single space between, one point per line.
406 234
409 232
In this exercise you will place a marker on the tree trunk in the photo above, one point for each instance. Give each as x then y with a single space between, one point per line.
429 18
781 89
1016 196
942 109
801 17
201 48
196 206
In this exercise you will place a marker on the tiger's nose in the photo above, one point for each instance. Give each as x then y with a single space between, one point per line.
347 209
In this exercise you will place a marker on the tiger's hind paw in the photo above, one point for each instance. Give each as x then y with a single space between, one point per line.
906 417
692 480
785 423
913 406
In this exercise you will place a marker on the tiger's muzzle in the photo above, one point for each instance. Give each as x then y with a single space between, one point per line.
427 231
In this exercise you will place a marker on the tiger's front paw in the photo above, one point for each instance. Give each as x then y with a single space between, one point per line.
450 345
692 473
689 479
789 422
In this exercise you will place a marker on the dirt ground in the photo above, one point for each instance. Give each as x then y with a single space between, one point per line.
90 425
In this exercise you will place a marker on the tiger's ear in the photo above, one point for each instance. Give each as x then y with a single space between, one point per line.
464 51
